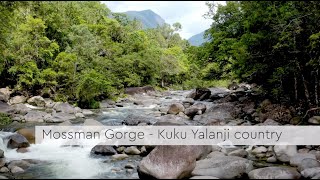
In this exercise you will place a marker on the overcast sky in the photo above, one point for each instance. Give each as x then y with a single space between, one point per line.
188 13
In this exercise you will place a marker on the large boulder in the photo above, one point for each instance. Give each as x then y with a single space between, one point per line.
37 101
175 108
17 100
138 90
171 162
285 152
17 141
274 173
195 109
188 102
223 167
104 150
35 116
59 117
21 109
64 108
28 133
5 108
233 86
133 120
5 94
200 94
311 173
314 120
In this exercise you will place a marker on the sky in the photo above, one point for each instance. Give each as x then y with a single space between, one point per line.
188 13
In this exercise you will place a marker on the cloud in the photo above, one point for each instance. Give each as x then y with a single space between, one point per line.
188 13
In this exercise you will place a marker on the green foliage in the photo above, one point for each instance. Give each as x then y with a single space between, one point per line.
4 119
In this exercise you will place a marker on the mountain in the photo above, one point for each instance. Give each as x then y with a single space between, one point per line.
148 18
197 40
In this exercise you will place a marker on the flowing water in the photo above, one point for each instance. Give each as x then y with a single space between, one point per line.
76 162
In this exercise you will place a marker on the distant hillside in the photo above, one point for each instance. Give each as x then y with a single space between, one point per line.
197 39
148 18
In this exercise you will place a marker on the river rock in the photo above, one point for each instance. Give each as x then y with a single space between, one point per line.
271 159
64 108
21 109
129 166
28 133
20 163
22 150
49 103
118 157
297 158
170 162
259 150
188 102
168 121
17 141
175 108
4 170
16 170
215 154
37 101
132 150
133 120
239 152
35 116
60 117
5 94
224 167
80 115
310 173
200 94
285 152
308 163
17 100
196 109
233 86
104 150
87 112
274 173
314 120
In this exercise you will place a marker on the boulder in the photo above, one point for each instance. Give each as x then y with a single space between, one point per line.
5 94
259 150
203 177
308 163
297 158
233 86
133 120
311 173
28 133
239 152
314 120
274 173
132 150
21 109
284 152
20 163
104 150
64 108
17 100
171 162
80 115
188 102
118 157
37 101
223 167
60 117
215 154
16 170
5 108
196 109
17 141
200 94
35 116
22 150
4 170
87 112
175 108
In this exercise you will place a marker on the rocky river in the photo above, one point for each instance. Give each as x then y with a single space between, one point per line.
240 105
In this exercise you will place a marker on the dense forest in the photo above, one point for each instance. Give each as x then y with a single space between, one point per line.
82 52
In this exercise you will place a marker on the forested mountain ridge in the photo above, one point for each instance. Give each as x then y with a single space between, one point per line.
148 18
198 39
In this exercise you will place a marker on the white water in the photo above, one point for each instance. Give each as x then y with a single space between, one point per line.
67 162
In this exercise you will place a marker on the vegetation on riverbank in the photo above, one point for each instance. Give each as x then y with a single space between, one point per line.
82 52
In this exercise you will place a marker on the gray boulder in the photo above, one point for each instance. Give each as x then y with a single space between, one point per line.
274 173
